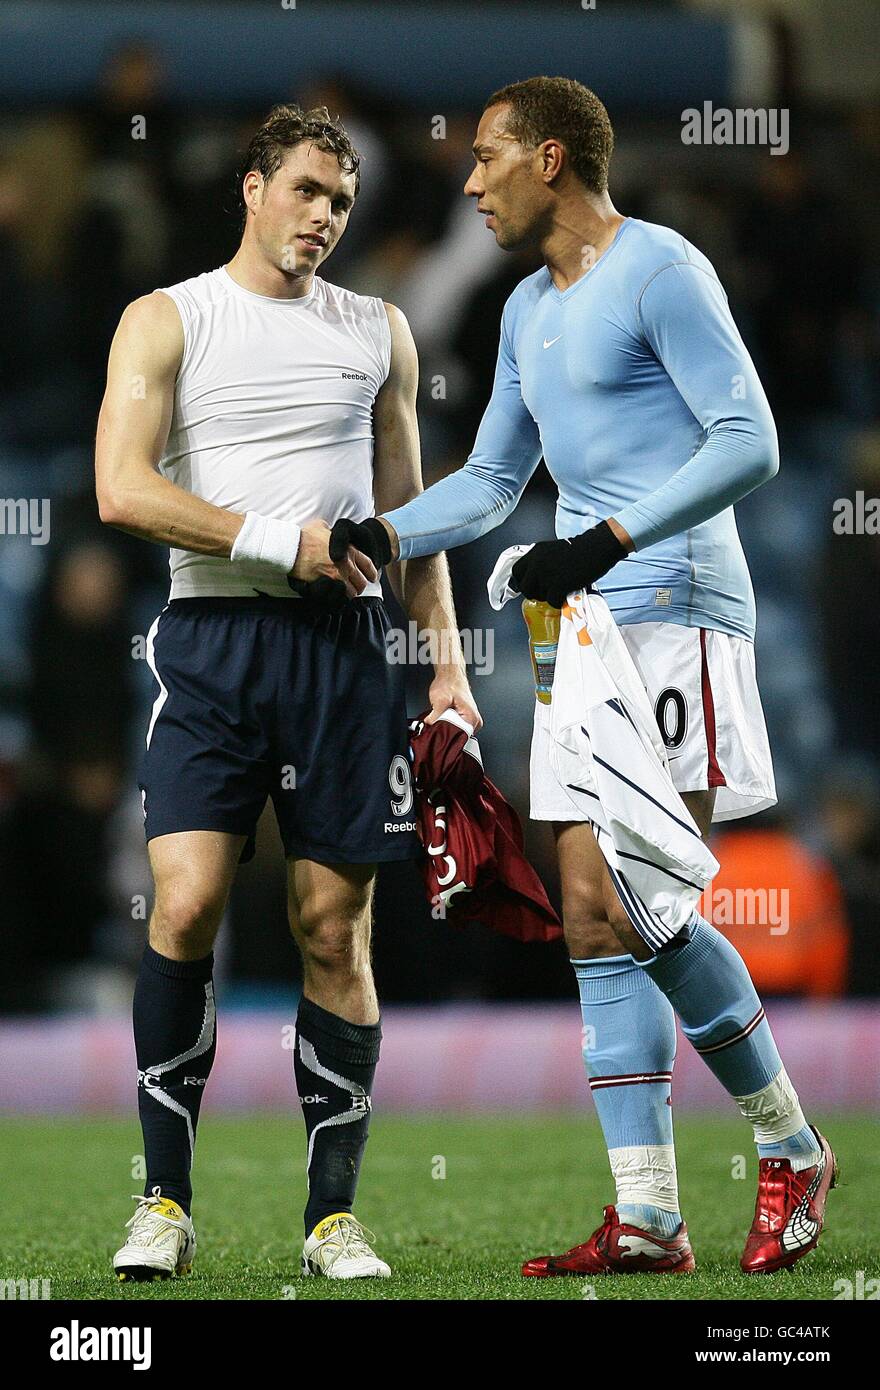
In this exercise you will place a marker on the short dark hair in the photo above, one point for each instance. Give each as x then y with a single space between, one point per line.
289 125
545 108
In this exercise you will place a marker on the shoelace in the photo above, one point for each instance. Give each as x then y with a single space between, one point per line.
351 1238
147 1206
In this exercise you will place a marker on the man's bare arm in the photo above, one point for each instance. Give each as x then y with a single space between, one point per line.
132 433
422 585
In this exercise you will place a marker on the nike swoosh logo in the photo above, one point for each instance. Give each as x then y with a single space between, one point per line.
548 342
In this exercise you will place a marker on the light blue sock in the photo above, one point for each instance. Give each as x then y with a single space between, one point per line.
800 1146
708 985
629 1050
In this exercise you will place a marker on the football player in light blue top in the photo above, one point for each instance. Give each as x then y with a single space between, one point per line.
635 386
620 364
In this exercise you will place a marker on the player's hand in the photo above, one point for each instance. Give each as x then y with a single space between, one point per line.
313 561
552 570
450 690
363 538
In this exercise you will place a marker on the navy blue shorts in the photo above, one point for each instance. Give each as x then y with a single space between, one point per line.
265 697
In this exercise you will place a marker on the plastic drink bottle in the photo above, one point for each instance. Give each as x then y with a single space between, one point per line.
542 622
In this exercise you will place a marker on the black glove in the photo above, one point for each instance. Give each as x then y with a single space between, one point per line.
325 592
553 569
370 537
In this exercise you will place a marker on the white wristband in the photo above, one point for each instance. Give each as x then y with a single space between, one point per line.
267 541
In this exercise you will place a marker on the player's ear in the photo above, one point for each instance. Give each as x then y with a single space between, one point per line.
552 159
252 186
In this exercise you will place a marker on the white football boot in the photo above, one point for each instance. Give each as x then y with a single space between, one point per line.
161 1241
338 1249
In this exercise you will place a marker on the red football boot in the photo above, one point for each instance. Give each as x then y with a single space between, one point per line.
619 1249
789 1212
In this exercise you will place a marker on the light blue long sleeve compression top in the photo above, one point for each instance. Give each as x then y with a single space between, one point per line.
636 387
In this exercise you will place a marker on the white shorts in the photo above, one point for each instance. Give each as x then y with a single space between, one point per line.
704 691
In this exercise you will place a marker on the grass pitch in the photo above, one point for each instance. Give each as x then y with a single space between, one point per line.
513 1187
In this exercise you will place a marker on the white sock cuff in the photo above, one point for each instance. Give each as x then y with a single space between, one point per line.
774 1112
645 1175
265 540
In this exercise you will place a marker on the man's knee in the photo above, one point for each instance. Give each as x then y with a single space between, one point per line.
588 932
596 923
332 937
185 919
334 946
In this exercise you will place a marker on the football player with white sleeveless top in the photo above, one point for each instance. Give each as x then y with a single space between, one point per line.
246 410
619 362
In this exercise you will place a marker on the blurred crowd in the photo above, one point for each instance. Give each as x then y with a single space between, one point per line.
92 215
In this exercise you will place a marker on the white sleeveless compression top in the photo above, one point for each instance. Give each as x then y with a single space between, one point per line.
272 413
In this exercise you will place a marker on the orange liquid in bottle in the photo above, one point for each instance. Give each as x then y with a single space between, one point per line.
542 622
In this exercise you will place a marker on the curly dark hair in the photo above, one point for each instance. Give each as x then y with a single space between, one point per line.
289 125
545 108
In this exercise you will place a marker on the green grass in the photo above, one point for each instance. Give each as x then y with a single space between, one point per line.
514 1187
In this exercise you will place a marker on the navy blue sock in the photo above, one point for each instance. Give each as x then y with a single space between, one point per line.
334 1064
175 1040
